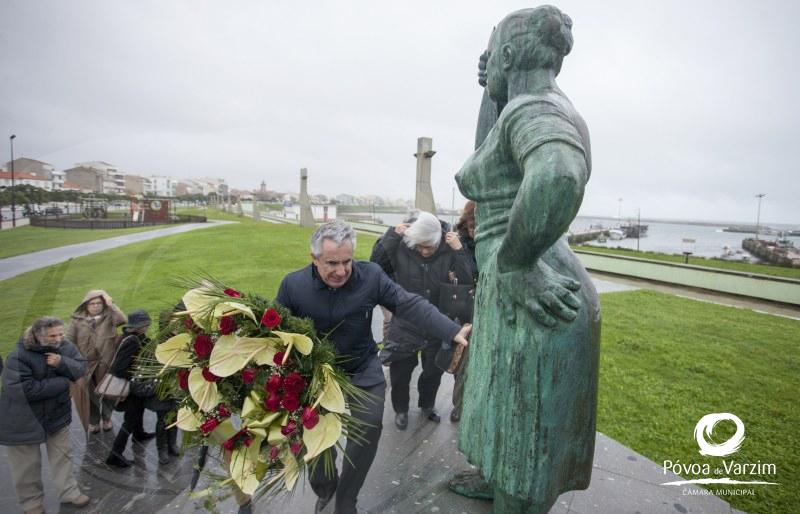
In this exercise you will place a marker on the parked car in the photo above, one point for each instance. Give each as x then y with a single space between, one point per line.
53 211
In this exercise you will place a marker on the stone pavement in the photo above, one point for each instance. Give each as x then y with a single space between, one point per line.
13 266
409 476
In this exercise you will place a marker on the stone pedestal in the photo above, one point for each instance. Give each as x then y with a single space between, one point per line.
306 217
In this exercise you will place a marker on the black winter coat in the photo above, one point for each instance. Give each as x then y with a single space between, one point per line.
346 312
35 400
422 276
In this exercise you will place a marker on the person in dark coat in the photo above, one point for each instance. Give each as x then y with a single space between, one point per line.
424 256
35 408
339 294
466 233
134 339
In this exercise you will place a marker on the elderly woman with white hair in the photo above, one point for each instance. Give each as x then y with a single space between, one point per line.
423 256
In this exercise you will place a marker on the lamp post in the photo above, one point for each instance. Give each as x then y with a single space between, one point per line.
758 216
13 206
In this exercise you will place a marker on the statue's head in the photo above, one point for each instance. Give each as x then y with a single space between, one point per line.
525 40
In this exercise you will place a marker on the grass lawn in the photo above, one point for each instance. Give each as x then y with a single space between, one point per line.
32 239
764 269
668 361
249 255
665 361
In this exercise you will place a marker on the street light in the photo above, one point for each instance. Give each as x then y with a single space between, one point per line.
13 206
758 216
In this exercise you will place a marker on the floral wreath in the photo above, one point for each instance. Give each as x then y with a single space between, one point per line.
259 382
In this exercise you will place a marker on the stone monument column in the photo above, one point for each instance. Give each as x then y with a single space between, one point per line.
306 217
423 199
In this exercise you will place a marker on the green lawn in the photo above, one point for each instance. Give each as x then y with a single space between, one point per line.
765 269
668 361
33 239
250 255
665 361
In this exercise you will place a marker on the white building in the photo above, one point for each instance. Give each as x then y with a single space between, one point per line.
162 186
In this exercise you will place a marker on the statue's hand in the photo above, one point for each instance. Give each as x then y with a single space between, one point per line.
482 60
546 294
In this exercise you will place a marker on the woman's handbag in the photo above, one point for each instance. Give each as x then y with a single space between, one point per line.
449 358
113 388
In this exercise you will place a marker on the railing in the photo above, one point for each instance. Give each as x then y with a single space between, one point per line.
62 222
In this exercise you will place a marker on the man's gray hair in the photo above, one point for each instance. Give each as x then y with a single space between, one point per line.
336 231
426 230
39 327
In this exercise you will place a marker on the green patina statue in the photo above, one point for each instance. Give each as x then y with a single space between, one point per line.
528 420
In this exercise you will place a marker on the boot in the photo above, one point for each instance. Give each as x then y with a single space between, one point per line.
161 444
172 442
115 458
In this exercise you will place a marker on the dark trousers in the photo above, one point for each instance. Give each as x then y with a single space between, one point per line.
358 455
132 424
427 385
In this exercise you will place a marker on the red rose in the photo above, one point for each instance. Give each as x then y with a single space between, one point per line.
183 379
232 292
271 319
203 346
249 374
294 384
289 428
248 442
310 418
290 402
209 425
274 383
274 453
295 447
188 323
227 325
273 403
228 445
278 359
210 377
223 411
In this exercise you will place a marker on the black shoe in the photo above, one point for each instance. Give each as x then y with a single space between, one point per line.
247 508
118 462
455 416
163 456
144 436
401 420
431 414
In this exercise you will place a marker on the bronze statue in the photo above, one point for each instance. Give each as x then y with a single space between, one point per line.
528 419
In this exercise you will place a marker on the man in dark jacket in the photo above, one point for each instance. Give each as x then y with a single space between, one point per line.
36 408
339 295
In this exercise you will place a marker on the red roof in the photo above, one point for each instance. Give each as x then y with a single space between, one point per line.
22 176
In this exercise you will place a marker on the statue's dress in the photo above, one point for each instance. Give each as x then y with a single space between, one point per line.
529 409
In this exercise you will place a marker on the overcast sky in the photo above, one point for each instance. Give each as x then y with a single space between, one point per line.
692 105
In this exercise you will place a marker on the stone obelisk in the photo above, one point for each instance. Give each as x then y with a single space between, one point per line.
306 217
423 198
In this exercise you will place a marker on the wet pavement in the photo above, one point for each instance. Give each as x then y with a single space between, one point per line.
409 476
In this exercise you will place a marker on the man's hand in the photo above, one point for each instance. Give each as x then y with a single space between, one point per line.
452 240
461 337
401 228
545 293
53 359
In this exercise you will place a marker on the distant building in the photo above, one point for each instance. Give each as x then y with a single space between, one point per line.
163 186
88 180
25 179
136 184
320 212
32 166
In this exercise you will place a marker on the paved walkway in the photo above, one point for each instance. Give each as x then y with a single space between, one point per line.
17 265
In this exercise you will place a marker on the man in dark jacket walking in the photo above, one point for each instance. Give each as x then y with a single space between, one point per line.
36 408
339 295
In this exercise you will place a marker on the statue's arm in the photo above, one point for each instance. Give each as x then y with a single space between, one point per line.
548 199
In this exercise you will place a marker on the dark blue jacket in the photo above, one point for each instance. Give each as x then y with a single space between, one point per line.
346 312
35 400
